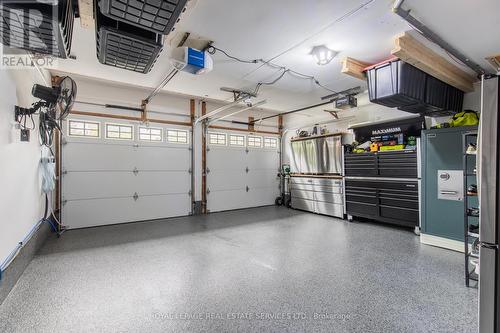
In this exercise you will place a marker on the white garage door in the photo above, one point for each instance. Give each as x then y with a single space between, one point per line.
118 171
242 170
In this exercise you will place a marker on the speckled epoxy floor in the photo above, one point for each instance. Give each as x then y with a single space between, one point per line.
265 269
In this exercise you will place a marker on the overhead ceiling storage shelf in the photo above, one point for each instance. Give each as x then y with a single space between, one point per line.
124 46
158 16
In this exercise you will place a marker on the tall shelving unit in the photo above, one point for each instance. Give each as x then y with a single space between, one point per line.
470 201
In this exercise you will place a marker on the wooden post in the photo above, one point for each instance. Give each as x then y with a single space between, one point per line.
203 162
192 110
57 144
144 116
54 80
251 124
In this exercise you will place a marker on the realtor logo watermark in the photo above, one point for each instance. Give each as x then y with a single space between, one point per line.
29 34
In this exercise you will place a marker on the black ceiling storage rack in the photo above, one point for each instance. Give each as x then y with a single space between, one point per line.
51 24
158 16
124 46
399 84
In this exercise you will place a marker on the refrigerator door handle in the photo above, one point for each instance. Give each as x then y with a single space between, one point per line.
489 246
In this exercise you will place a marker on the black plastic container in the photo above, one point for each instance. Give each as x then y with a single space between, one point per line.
125 46
158 16
396 84
401 85
434 98
52 26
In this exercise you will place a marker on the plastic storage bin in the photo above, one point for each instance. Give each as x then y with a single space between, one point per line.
124 46
52 25
158 16
398 84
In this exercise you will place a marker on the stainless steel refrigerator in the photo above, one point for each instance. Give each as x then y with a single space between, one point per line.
489 203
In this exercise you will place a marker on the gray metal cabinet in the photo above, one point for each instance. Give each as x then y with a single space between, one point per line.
442 152
318 195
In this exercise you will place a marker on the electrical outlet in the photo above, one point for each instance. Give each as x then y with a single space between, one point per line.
25 135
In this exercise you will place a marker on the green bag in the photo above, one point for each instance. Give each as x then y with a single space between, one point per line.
465 118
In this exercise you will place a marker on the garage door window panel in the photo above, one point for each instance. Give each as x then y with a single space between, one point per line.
177 136
236 140
119 132
150 134
219 139
271 143
80 128
254 141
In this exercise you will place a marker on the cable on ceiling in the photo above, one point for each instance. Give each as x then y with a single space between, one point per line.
326 27
260 84
212 50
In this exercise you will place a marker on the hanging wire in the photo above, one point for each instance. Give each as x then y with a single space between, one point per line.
212 50
260 84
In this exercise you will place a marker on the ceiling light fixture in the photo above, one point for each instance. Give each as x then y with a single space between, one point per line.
322 54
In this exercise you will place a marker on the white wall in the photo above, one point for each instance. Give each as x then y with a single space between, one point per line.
21 200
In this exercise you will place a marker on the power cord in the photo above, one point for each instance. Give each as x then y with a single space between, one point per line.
212 50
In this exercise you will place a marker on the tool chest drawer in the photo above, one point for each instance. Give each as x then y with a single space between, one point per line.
402 164
392 201
318 195
397 164
362 164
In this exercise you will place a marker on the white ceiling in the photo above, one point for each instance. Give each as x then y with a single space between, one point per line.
285 31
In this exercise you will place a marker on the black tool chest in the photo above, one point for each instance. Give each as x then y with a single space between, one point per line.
401 163
383 186
392 201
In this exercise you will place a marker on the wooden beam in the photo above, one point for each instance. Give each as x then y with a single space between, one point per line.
243 130
86 10
354 68
410 50
130 118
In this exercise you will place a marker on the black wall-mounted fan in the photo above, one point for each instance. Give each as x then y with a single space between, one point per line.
60 99
54 105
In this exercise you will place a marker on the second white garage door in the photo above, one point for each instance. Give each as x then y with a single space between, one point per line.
242 170
117 172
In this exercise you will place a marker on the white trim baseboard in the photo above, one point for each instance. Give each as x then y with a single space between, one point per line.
444 243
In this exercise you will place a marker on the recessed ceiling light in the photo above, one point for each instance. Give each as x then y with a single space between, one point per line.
322 54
